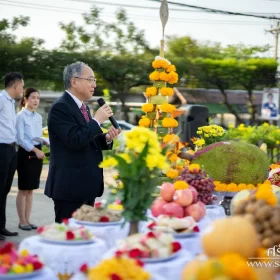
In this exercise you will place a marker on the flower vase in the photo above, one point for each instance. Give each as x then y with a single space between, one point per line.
133 227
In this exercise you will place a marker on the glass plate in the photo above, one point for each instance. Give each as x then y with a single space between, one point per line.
21 276
157 260
67 242
98 224
185 234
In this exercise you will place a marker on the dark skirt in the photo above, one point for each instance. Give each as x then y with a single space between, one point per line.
29 170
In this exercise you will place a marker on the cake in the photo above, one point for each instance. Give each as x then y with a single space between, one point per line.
96 214
13 262
63 232
174 225
150 245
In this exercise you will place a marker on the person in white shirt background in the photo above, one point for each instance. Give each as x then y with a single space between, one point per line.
29 156
13 84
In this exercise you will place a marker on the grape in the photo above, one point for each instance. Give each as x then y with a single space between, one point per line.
201 182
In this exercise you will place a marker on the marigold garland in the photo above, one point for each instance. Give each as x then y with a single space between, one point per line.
170 139
151 91
145 122
169 122
167 108
166 91
147 107
172 173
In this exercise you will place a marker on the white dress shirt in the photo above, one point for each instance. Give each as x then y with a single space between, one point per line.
7 118
28 126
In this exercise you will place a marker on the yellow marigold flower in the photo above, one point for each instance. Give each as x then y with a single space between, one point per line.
241 187
232 187
180 185
199 142
125 268
199 132
18 269
169 122
29 267
163 76
24 253
147 107
237 268
170 138
267 195
194 166
172 174
167 108
154 76
151 91
160 64
145 122
274 166
251 186
166 91
108 163
179 167
173 157
171 68
172 77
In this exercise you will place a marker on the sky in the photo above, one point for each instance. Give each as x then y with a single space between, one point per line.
200 25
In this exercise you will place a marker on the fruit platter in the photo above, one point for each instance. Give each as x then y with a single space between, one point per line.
64 234
178 227
18 265
96 215
153 246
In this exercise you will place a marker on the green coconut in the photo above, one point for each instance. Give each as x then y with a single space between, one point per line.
234 162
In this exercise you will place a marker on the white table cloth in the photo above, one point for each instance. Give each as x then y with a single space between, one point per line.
65 259
110 234
214 212
170 269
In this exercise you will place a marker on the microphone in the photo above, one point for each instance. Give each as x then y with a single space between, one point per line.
34 157
101 102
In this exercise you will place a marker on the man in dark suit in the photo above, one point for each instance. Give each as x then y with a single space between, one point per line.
76 143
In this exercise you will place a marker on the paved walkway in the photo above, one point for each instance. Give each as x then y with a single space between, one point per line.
42 212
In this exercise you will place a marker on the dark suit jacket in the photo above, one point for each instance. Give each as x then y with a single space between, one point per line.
76 151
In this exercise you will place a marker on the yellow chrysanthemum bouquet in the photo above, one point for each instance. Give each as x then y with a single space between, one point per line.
139 168
159 113
209 134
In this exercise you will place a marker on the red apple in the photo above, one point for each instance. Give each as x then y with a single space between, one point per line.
157 207
194 193
167 191
194 211
173 209
202 207
183 197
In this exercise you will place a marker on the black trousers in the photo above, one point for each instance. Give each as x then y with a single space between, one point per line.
64 209
8 165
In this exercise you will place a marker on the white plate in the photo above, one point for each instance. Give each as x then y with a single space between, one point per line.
157 260
21 276
185 234
67 242
98 224
212 206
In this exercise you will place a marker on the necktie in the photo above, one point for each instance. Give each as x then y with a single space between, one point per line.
84 112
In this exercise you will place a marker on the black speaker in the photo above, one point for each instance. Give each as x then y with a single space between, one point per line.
194 117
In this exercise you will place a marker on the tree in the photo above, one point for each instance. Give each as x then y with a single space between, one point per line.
217 72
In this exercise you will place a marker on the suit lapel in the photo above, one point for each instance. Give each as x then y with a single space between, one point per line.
74 106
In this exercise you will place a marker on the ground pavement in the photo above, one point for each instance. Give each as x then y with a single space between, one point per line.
42 212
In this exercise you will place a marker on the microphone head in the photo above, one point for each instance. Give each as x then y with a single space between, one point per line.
101 102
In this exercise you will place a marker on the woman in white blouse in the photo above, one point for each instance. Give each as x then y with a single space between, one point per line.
30 156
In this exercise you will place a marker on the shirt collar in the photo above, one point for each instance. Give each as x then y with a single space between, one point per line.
77 100
5 93
29 113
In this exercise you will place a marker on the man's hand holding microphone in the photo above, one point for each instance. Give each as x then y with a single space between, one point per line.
104 113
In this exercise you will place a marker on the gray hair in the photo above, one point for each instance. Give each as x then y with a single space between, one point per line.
72 70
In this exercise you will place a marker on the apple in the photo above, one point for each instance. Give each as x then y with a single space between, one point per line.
194 193
183 197
167 191
157 207
195 211
173 209
202 207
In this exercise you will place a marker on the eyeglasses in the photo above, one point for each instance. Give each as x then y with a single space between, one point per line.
91 80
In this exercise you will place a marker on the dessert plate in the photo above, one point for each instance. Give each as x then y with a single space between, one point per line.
67 242
98 224
21 276
157 260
